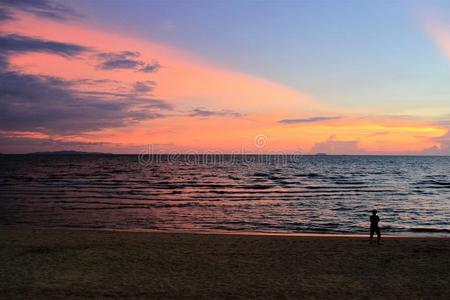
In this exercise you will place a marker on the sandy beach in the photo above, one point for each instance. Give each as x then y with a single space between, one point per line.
38 263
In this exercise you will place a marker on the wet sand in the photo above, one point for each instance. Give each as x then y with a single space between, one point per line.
94 264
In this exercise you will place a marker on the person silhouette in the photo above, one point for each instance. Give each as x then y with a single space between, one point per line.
374 219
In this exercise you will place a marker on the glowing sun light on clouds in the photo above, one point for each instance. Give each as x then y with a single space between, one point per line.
125 92
182 79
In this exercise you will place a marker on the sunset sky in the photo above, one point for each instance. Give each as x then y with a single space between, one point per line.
341 77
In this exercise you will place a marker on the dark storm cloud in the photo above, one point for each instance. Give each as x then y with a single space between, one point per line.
150 68
51 105
144 86
95 82
119 64
118 55
307 120
13 43
41 8
5 14
200 112
3 62
118 60
126 60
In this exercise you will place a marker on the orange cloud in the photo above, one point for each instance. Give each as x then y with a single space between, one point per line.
188 83
238 134
183 79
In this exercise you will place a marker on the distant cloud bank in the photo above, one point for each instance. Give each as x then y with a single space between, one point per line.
308 120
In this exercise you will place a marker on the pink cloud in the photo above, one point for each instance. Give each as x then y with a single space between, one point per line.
182 77
334 146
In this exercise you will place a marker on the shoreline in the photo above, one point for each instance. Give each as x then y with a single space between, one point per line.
260 233
237 232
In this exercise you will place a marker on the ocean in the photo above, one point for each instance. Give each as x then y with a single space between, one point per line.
216 193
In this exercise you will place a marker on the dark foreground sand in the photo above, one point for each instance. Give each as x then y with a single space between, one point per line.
79 264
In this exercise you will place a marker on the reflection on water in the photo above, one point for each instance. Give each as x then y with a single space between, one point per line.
311 194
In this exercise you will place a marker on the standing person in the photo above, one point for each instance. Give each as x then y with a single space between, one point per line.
374 219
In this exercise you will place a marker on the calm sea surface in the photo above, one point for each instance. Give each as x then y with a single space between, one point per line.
318 194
